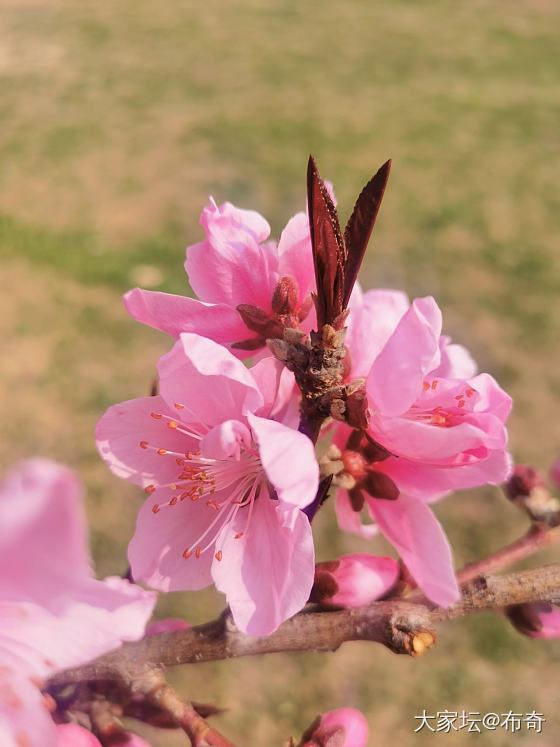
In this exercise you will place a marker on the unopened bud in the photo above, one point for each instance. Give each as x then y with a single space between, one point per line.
535 619
343 727
285 296
523 480
527 489
353 580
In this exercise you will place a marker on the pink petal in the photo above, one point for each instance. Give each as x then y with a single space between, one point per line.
350 520
75 628
275 383
128 437
210 383
430 482
397 374
420 541
156 551
226 440
176 314
266 574
491 397
456 361
288 458
24 718
295 254
43 527
231 266
373 318
73 735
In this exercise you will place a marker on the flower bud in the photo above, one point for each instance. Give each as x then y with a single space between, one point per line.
285 296
353 580
522 482
168 625
535 619
555 473
343 727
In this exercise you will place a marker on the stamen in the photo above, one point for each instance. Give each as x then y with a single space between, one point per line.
434 383
149 489
197 552
155 508
218 555
173 501
179 406
187 554
157 415
162 452
143 444
172 424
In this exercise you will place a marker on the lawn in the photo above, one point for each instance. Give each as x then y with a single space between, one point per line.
120 119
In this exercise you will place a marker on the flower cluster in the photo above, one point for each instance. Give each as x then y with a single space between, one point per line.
230 475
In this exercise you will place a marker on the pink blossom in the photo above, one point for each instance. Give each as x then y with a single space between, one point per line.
225 482
249 288
353 580
53 613
440 426
343 727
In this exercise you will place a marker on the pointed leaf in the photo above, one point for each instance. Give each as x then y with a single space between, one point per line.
360 225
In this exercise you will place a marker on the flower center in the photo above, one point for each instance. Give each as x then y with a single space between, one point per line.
225 485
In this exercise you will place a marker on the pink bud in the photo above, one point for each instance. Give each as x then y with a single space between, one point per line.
166 626
353 580
523 480
343 727
555 473
536 619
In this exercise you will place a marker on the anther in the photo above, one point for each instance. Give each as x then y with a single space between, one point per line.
179 406
461 403
172 424
173 501
183 496
156 415
143 444
187 554
425 386
218 555
238 535
197 551
434 383
162 452
155 508
149 489
180 462
173 486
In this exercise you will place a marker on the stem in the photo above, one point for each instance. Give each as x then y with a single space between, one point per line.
535 538
402 626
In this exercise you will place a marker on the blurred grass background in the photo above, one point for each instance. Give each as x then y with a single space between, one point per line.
119 119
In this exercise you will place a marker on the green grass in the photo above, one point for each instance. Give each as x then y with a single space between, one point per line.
118 121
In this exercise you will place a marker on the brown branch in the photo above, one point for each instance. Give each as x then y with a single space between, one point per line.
152 684
402 626
534 539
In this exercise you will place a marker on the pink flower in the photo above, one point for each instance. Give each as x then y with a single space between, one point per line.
353 580
249 288
225 479
343 727
53 613
438 427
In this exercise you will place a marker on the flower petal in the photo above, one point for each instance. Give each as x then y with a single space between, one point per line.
210 383
162 536
420 541
397 374
128 438
231 266
266 574
288 458
350 520
176 314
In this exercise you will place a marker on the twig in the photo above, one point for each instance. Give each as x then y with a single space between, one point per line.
402 626
152 684
534 539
